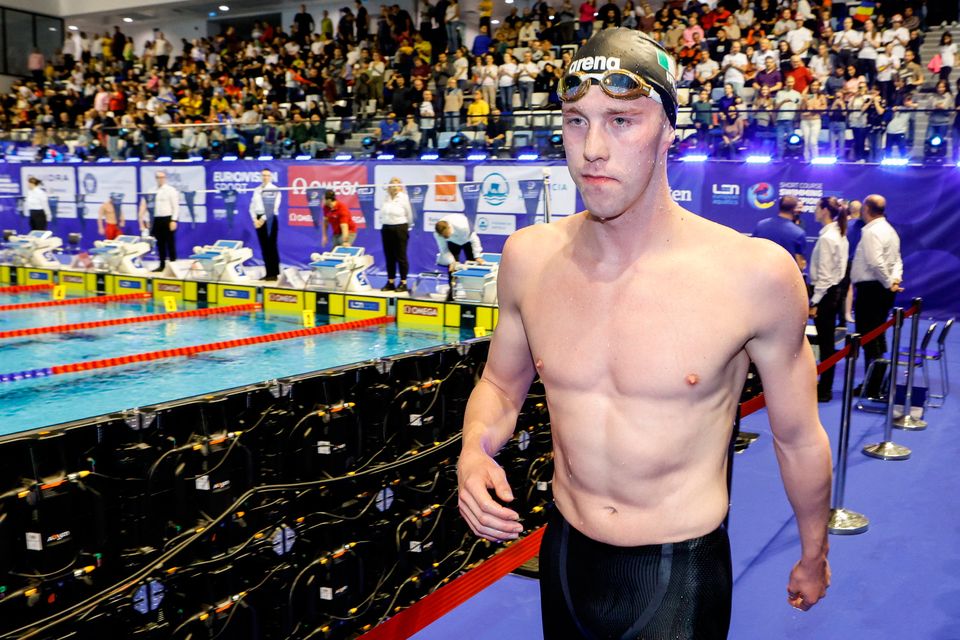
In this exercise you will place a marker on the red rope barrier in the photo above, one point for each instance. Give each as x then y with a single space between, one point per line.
154 317
24 288
215 346
123 297
758 402
448 597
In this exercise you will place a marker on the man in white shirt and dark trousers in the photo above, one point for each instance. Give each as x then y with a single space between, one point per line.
453 235
166 214
396 220
877 274
265 212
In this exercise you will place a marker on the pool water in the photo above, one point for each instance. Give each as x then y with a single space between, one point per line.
34 403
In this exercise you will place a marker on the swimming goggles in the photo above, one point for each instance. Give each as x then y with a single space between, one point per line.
616 83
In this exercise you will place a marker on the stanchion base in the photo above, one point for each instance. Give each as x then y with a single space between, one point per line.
887 451
844 522
909 423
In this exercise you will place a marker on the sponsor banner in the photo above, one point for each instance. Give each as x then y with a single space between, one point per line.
315 205
149 201
367 196
530 191
501 190
60 182
495 224
417 194
229 197
190 180
415 312
98 183
470 192
441 191
53 202
342 179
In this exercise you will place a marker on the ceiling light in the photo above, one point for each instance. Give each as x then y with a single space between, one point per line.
224 7
128 19
52 28
494 22
73 27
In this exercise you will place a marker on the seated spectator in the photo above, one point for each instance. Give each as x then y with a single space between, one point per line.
407 139
770 77
763 109
731 133
728 98
388 128
496 132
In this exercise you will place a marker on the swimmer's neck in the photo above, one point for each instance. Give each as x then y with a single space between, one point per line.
644 227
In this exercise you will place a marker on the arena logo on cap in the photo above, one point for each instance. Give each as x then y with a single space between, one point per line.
595 63
762 195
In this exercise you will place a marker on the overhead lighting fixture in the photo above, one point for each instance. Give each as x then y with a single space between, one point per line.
494 22
52 28
128 19
73 27
223 7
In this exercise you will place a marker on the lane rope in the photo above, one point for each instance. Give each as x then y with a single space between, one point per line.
179 352
25 288
153 317
123 297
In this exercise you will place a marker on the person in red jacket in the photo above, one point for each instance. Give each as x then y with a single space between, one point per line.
338 216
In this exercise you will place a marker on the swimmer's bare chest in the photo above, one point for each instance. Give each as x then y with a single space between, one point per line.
656 332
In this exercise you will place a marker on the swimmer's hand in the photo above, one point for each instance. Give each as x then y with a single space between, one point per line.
477 473
808 584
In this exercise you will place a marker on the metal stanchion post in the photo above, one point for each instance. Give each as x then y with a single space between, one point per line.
887 450
906 420
546 195
843 521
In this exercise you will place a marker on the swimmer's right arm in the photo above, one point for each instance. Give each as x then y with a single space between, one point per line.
492 412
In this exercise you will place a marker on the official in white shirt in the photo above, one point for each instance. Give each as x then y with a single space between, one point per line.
453 235
267 222
876 273
165 215
38 205
828 266
396 220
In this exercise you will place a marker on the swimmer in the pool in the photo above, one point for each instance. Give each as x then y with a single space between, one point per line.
641 318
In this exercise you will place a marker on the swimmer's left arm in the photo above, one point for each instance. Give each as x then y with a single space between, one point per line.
786 365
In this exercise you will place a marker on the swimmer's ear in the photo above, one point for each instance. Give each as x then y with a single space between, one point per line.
667 134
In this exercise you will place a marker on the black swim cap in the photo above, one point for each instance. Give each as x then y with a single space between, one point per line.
634 51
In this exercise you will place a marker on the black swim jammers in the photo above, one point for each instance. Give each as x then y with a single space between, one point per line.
597 591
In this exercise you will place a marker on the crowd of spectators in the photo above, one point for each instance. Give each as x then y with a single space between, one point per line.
755 71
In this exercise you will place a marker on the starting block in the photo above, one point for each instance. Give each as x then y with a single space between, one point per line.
343 270
120 255
223 260
477 281
36 249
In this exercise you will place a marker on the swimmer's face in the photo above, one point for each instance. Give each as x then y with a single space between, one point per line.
614 147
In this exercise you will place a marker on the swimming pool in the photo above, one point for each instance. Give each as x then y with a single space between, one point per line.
33 403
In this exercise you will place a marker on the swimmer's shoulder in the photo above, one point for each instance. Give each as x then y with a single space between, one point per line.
538 241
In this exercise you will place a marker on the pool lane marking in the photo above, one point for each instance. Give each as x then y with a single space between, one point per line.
153 317
179 352
123 297
26 288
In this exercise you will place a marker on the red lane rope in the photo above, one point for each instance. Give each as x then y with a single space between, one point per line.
123 297
215 346
154 317
23 288
448 597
